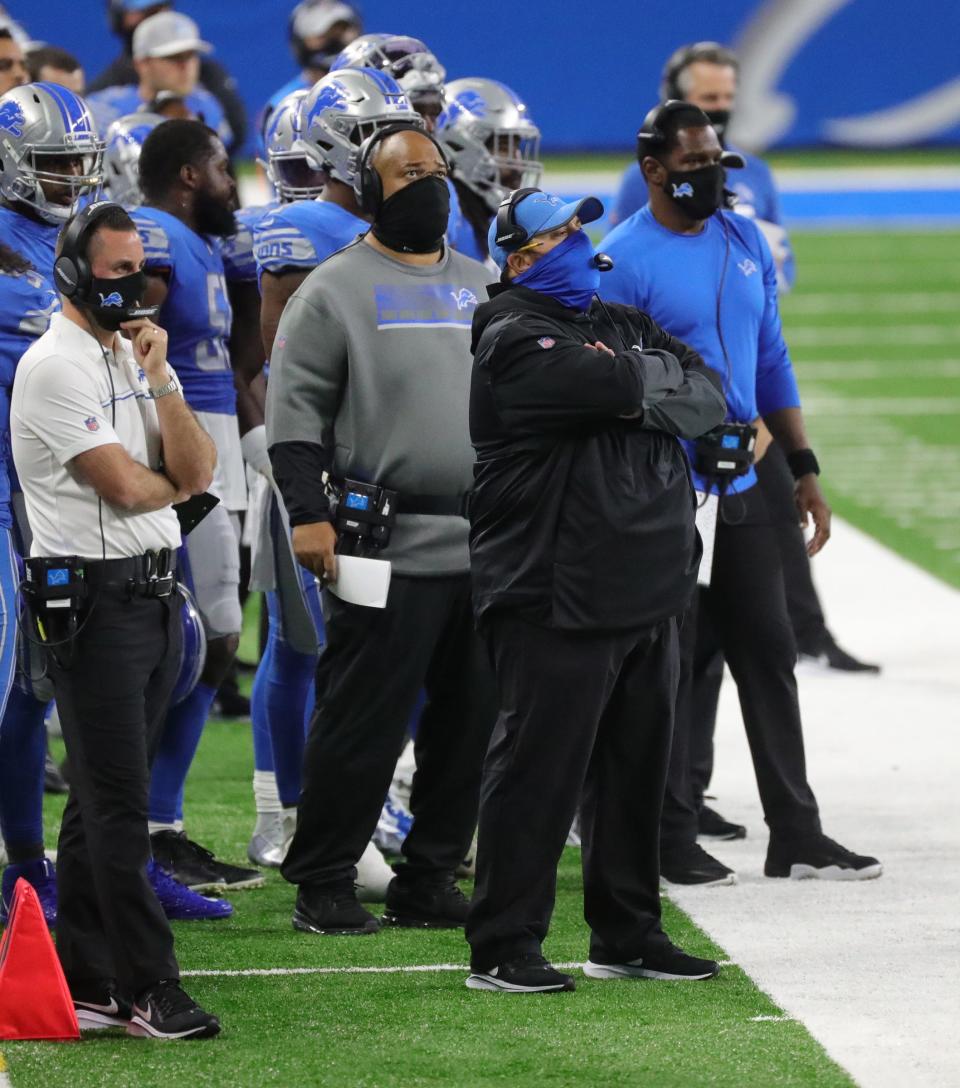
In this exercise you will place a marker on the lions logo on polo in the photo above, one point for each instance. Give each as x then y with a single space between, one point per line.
747 267
683 189
12 119
464 298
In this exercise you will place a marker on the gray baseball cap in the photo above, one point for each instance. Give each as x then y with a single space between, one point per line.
166 34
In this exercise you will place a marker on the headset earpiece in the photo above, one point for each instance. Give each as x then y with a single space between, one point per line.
509 231
370 190
71 270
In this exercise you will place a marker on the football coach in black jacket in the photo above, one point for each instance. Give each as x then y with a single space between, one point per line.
583 553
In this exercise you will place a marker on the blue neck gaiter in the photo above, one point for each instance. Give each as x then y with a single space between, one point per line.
567 273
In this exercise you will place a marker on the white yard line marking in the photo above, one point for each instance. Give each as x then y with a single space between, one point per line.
864 370
5 1081
816 404
828 302
770 1019
404 969
908 335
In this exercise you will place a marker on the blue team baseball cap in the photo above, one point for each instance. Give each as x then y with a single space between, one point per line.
536 213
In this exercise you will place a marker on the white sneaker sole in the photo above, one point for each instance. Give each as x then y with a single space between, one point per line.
628 970
140 1029
494 985
88 1020
834 872
720 882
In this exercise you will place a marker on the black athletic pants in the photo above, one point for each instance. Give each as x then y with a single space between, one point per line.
579 711
112 693
373 667
744 614
803 606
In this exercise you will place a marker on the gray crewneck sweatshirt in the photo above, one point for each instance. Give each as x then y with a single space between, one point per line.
372 361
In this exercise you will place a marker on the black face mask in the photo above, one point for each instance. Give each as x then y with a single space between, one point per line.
697 193
213 216
414 219
319 60
720 119
111 302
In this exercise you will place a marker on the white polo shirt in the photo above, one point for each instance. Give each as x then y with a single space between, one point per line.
63 405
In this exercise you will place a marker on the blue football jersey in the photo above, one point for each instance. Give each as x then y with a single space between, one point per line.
239 262
302 234
113 102
196 312
27 302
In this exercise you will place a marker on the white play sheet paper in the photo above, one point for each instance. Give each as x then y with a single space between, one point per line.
362 581
707 526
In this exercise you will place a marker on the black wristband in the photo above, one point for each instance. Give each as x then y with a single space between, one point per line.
802 462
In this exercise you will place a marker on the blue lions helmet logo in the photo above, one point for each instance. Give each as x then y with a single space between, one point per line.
474 102
464 298
113 299
332 97
12 119
684 189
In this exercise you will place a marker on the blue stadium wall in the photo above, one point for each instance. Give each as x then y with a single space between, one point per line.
868 73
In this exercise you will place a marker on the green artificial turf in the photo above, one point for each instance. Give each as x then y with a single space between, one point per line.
403 1030
874 330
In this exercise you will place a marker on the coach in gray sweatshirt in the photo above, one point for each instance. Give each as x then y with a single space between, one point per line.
369 380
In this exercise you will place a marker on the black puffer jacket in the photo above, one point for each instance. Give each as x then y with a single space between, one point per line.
582 514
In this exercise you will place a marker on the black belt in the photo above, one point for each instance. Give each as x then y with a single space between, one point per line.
153 574
454 506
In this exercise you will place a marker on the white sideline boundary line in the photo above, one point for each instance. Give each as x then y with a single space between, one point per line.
402 969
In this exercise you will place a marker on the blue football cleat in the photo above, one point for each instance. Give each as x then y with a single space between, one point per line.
393 826
182 904
43 876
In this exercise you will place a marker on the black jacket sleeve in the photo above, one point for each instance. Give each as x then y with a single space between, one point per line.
298 468
544 382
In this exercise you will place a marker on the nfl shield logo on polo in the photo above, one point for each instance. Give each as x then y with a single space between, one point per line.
546 342
92 423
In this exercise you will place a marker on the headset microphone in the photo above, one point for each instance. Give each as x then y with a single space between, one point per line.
603 262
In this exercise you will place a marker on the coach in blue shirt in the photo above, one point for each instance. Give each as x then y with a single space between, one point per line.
708 277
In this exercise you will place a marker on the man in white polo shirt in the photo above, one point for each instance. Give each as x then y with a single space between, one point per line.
104 445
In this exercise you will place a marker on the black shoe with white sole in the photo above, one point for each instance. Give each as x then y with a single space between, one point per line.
817 858
527 974
691 864
197 867
98 1005
165 1011
427 903
825 651
665 962
332 910
711 825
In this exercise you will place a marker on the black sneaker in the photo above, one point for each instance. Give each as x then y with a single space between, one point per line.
195 866
98 1005
825 651
817 858
711 825
165 1011
691 864
332 910
527 974
427 903
662 961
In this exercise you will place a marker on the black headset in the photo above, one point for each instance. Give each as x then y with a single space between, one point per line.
369 185
71 270
653 135
509 231
712 52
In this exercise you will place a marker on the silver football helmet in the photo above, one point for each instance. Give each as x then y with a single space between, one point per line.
50 152
342 110
407 60
121 159
292 175
493 144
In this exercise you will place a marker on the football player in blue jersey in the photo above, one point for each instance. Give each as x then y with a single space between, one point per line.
190 200
166 54
50 156
494 147
420 75
335 117
319 30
